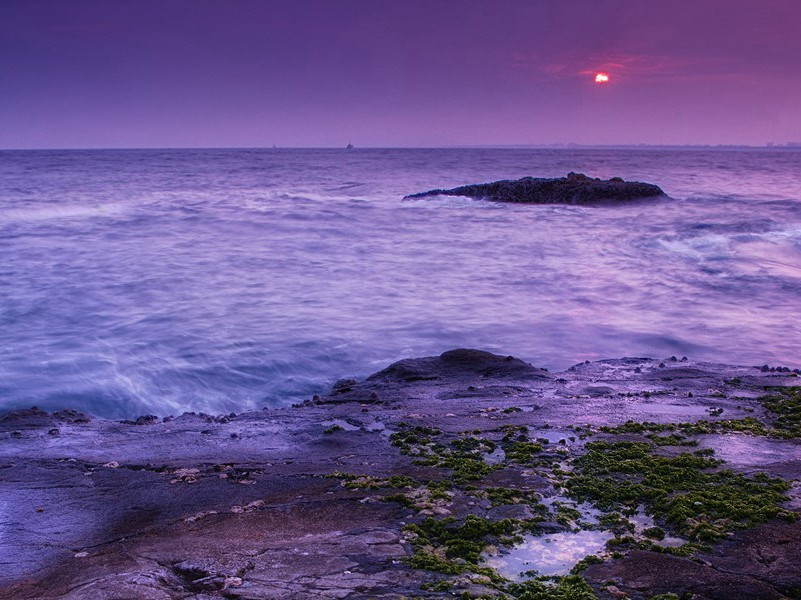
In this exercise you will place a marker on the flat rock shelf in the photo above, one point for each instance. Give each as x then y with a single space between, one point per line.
415 481
576 188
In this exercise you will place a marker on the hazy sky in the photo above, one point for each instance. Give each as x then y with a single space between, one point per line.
148 73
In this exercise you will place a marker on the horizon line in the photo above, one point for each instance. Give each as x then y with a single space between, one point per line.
553 146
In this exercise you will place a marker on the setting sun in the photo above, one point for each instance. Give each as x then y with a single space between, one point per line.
601 78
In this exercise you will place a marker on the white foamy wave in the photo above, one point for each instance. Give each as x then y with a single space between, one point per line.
58 212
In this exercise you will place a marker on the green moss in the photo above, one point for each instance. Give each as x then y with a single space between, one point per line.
785 404
399 481
500 496
410 437
428 561
522 451
616 523
689 493
464 456
685 491
464 540
655 533
630 542
342 475
572 587
466 468
439 490
353 481
401 499
471 445
746 425
585 562
566 515
511 431
439 586
333 429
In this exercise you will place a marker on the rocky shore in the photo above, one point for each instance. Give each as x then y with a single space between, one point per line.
437 477
576 188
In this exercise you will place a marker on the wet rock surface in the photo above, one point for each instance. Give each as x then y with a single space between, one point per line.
316 500
756 564
576 188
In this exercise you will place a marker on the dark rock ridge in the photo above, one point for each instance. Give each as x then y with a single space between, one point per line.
576 188
330 498
460 362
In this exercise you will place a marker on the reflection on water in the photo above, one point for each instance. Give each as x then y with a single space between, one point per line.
159 281
552 554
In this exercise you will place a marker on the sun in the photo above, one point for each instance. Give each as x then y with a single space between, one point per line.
602 77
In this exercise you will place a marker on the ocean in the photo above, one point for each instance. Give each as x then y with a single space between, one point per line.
160 281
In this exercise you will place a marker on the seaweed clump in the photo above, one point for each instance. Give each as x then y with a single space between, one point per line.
785 404
464 456
687 492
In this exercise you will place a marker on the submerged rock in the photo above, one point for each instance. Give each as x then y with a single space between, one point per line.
576 188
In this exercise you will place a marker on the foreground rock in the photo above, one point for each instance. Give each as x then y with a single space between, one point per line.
368 492
576 188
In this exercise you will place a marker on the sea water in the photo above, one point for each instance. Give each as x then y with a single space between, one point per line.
159 281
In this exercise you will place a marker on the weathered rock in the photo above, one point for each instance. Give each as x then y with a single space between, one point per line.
642 575
117 510
758 564
576 188
455 363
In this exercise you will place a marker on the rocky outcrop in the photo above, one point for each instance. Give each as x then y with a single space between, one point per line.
314 501
576 188
455 363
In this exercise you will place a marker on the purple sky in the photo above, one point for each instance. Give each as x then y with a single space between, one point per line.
150 73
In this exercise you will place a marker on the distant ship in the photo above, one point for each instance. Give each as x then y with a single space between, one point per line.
349 146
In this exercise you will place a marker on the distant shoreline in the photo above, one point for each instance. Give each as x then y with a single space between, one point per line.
792 147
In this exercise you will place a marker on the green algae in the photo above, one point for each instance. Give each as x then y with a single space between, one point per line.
690 493
590 559
570 587
503 496
654 533
746 425
522 451
439 490
463 456
687 492
401 499
450 547
785 405
616 523
354 481
439 586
